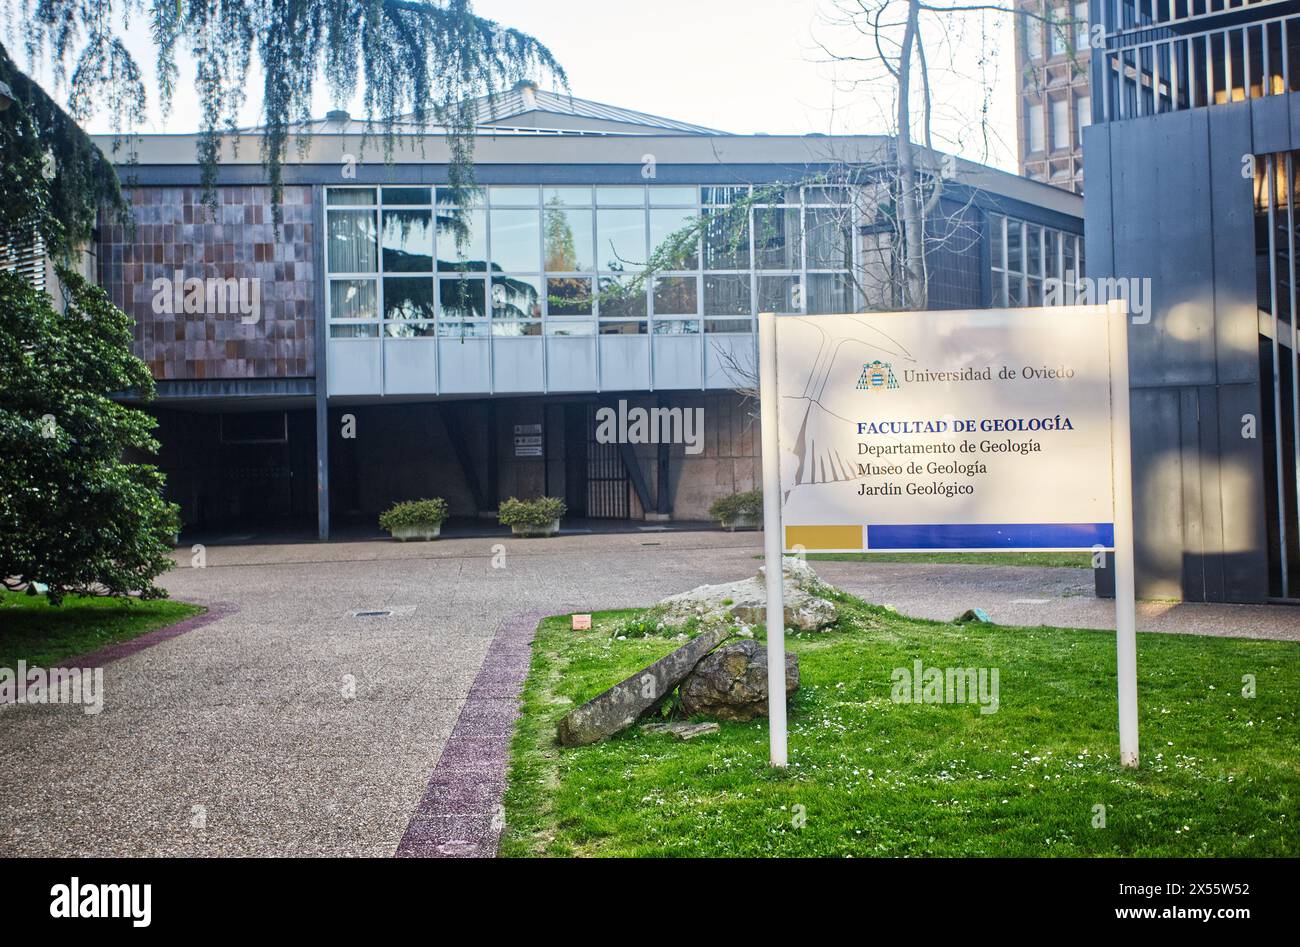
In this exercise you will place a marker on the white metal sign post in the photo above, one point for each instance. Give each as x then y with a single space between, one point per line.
975 430
773 536
1125 582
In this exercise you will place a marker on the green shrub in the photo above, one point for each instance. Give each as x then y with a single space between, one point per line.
80 510
737 505
414 513
531 514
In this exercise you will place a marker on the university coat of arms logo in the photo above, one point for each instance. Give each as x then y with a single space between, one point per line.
875 376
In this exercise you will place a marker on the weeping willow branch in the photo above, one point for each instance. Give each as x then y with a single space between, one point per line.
423 62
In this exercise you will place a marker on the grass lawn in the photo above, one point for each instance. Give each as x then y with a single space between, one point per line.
1070 560
1220 773
34 631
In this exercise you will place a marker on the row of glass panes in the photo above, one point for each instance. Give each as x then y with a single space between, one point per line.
364 262
1023 254
725 299
580 240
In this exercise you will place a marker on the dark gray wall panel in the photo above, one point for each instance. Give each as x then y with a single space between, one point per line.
1098 234
1157 493
1210 587
1245 561
1270 123
1233 236
1195 562
1160 198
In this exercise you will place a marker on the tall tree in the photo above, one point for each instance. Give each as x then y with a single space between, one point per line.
422 61
74 513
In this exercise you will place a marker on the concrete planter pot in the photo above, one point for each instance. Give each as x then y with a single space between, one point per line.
422 533
742 522
550 529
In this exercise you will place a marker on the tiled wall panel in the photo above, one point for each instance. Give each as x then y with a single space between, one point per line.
174 231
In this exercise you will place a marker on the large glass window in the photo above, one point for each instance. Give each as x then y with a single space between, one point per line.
507 260
664 223
726 241
1060 124
620 299
620 240
462 239
352 241
570 239
569 296
408 241
829 292
727 295
516 241
516 297
1034 135
829 238
1024 255
676 296
777 238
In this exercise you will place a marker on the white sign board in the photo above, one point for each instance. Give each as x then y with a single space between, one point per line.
975 430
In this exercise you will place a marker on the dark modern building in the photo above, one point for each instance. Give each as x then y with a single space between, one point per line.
1191 162
390 359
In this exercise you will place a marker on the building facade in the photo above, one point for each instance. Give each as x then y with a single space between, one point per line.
408 342
1052 57
1191 196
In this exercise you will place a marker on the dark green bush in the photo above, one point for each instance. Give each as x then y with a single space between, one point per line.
730 508
531 514
430 512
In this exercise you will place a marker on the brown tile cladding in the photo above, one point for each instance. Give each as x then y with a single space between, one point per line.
175 231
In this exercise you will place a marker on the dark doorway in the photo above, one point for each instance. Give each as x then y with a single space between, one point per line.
575 459
607 480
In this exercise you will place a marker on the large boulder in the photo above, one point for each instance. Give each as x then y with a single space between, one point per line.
731 683
745 601
620 706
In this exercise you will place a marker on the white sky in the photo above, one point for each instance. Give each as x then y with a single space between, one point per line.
739 65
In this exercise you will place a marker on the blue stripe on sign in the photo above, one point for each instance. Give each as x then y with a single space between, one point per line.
992 536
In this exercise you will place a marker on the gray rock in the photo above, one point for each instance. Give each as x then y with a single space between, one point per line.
619 707
731 683
746 601
682 730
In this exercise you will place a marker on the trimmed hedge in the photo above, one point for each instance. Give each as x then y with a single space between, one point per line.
430 512
531 514
737 505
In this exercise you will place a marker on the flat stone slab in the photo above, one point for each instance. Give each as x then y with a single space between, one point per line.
619 707
683 730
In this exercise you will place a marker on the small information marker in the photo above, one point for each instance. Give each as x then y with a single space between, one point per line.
581 622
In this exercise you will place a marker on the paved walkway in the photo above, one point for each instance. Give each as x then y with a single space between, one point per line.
292 726
1020 595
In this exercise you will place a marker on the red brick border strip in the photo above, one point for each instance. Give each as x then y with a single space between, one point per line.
123 649
460 814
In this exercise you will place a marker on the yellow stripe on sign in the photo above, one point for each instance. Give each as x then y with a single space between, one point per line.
813 538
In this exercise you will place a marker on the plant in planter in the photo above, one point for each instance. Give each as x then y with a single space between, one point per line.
739 511
415 519
540 517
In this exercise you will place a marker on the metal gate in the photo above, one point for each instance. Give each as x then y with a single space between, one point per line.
607 480
1276 196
